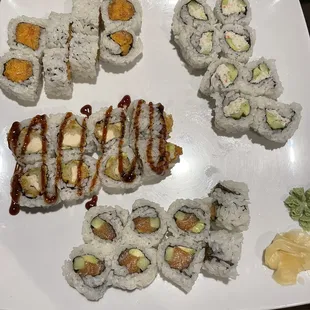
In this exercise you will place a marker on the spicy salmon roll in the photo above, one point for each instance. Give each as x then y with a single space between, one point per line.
57 73
88 270
58 30
104 224
189 218
27 34
120 46
234 112
223 75
122 13
20 75
233 11
191 14
276 121
134 266
237 42
179 261
147 223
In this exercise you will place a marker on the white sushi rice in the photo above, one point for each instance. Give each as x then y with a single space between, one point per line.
110 51
83 57
216 74
93 288
182 18
196 51
201 209
270 87
146 208
227 123
115 216
133 23
225 254
232 13
122 278
244 31
57 73
292 112
28 90
58 30
186 278
42 23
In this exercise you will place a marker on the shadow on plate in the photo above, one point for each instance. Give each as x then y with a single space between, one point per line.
206 275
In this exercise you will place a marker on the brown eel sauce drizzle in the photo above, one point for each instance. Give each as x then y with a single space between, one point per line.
13 136
87 110
125 102
92 203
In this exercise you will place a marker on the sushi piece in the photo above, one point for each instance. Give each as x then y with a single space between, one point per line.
222 254
28 140
230 207
86 16
57 73
146 223
27 34
83 57
233 11
276 121
237 42
189 218
134 266
261 79
122 14
191 14
234 112
58 30
179 261
104 224
200 46
120 169
105 127
120 46
20 75
88 270
77 178
223 75
35 185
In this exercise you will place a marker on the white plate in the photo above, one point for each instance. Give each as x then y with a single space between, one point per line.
34 246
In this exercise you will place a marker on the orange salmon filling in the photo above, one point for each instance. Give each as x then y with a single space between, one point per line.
143 225
17 70
91 269
105 231
180 259
121 10
124 39
188 222
129 261
29 35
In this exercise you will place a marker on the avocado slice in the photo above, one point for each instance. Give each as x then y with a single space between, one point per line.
261 72
237 42
198 228
97 222
112 170
196 10
187 250
232 73
90 259
136 253
239 3
180 215
169 253
78 263
143 263
206 43
275 120
237 108
155 222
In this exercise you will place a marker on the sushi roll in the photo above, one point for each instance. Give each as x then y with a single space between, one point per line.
276 121
106 127
57 73
28 140
122 14
261 79
120 46
189 218
234 112
134 266
233 11
86 16
104 225
88 270
35 185
147 223
58 30
83 57
222 254
200 46
223 75
180 260
120 169
191 14
230 207
27 34
78 178
20 75
237 42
